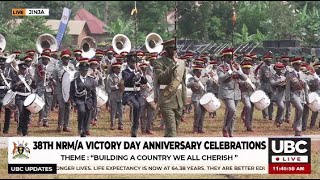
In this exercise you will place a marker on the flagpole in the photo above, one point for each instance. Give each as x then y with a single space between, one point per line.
234 18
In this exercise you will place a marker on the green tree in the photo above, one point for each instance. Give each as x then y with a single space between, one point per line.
23 36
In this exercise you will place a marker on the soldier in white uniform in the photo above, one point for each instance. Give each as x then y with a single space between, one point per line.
115 95
278 85
247 88
147 111
229 74
64 107
45 86
295 86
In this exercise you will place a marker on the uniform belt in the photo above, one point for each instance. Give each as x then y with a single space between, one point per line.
4 87
23 94
164 86
132 89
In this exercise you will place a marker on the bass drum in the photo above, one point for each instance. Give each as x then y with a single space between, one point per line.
150 100
67 77
102 97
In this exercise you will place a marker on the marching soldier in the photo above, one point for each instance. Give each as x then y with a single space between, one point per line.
278 84
77 56
307 77
109 58
45 86
265 77
4 87
132 81
315 87
147 111
229 74
23 85
212 83
285 61
197 85
83 96
64 107
54 60
170 73
115 95
97 76
295 87
247 88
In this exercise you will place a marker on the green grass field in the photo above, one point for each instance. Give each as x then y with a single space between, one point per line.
212 127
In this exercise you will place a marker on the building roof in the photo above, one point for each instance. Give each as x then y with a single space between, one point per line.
95 25
75 26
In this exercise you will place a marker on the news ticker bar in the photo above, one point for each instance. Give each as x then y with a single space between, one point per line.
105 155
29 12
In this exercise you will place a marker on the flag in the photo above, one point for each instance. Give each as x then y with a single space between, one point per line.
63 25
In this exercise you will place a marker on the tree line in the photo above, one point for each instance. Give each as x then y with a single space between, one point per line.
205 21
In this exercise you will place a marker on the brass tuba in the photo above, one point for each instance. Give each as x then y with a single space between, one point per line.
153 43
121 43
2 43
46 41
88 46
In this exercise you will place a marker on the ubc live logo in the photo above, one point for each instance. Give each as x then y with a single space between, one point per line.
289 155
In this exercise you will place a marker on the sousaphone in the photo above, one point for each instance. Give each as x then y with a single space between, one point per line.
46 41
121 43
154 43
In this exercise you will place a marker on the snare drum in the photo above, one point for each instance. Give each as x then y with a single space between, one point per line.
9 98
34 103
210 102
314 102
102 97
260 99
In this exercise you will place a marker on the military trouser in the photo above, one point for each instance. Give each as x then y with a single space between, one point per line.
24 115
93 114
83 118
171 117
198 118
231 107
214 114
279 117
314 119
64 112
44 113
116 108
288 109
132 98
268 111
146 117
297 124
7 114
248 111
305 116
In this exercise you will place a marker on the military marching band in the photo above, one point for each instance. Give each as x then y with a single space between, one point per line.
165 82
